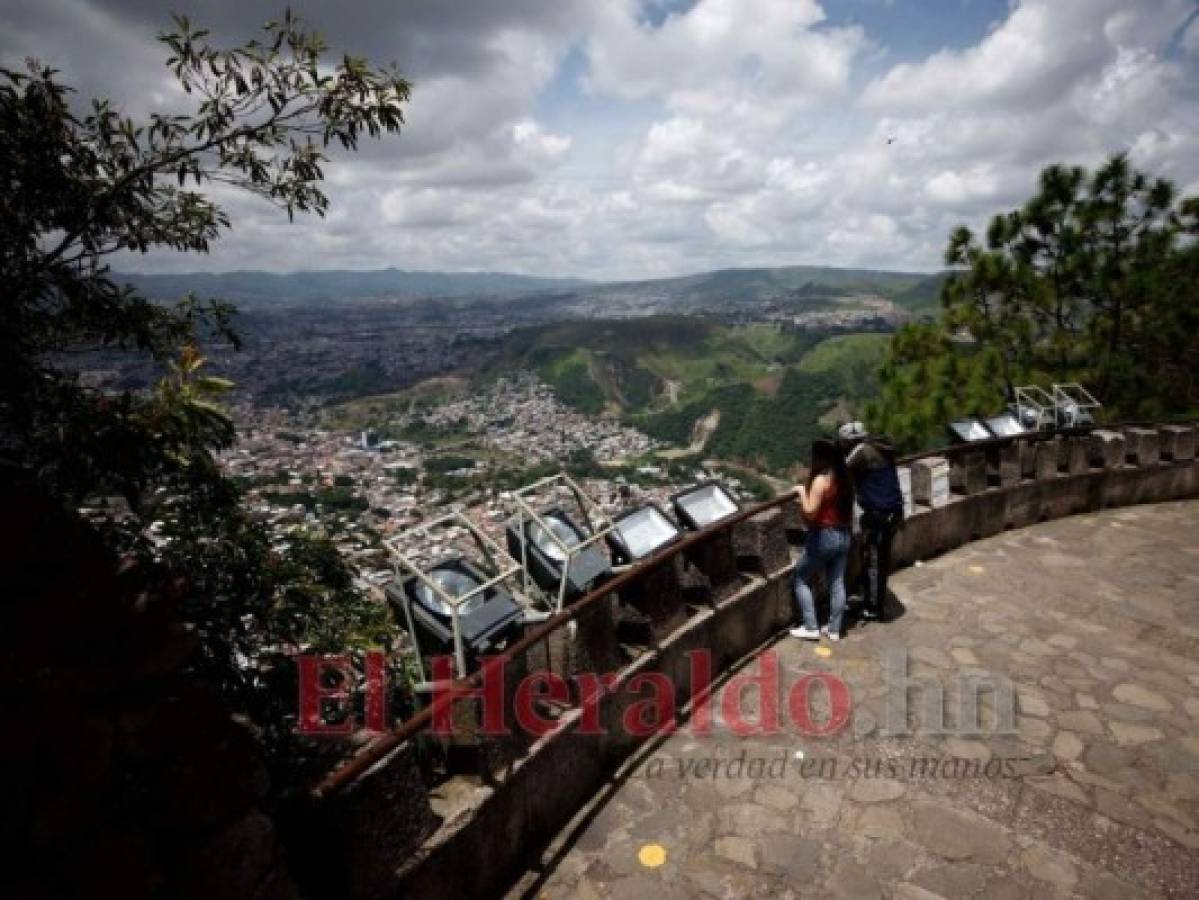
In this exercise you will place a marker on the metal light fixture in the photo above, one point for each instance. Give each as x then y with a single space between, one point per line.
488 617
1034 408
969 430
1006 424
455 604
1074 403
703 505
560 554
556 552
640 532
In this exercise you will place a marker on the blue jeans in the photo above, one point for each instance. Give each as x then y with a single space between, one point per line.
825 550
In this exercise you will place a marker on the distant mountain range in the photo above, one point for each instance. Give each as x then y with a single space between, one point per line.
722 288
252 287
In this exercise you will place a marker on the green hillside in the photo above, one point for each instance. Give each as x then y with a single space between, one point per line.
769 387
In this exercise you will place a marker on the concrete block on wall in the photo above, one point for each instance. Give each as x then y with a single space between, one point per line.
1177 442
1078 460
1008 463
1142 446
1047 458
968 472
930 481
1105 449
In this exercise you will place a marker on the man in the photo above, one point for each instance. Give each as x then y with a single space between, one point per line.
871 463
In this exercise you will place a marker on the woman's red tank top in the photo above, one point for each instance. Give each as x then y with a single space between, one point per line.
828 514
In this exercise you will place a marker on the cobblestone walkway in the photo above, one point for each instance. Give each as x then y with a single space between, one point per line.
1094 791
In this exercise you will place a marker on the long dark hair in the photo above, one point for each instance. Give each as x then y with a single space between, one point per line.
827 457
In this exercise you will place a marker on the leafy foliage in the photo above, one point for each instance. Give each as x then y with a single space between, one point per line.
81 186
1092 280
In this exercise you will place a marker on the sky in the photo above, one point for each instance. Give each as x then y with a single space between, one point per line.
616 139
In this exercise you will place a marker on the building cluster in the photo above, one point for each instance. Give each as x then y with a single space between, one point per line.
359 491
521 415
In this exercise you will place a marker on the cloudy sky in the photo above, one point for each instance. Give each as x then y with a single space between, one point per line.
630 138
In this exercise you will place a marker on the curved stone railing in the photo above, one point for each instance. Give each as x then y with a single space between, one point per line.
371 828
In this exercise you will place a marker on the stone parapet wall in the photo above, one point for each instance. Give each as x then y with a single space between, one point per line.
1003 485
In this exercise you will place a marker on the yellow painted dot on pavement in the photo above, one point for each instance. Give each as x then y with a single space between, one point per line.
824 651
651 855
976 570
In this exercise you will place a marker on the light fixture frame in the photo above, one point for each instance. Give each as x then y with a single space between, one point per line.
1041 404
615 530
988 434
498 560
1072 393
710 482
526 514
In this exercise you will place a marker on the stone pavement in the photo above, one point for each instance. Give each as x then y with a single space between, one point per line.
1092 792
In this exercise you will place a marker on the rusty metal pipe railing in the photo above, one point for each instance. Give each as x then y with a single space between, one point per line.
417 723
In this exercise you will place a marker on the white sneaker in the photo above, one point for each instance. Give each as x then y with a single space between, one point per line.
832 636
807 634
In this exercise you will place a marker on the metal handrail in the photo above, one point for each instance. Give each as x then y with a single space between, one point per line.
406 730
380 747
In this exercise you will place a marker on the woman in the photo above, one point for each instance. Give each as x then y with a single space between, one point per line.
827 505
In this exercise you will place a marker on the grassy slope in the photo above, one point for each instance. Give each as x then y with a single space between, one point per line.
771 387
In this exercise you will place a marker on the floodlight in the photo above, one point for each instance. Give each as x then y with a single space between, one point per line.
1006 424
1074 403
969 430
702 505
488 616
638 533
556 553
1034 408
559 553
450 603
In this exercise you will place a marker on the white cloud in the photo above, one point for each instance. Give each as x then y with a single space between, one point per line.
732 132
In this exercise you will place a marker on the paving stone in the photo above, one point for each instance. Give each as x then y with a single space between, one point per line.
1183 786
954 835
737 849
1035 731
1045 865
1128 734
1080 720
1122 809
1141 696
1059 786
776 797
1086 701
879 822
797 857
876 790
820 805
749 820
1031 703
1067 745
1128 713
851 880
951 881
908 891
964 657
965 749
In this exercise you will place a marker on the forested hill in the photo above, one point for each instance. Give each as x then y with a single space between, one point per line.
253 287
723 289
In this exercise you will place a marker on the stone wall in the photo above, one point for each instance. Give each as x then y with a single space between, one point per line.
120 775
1004 485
